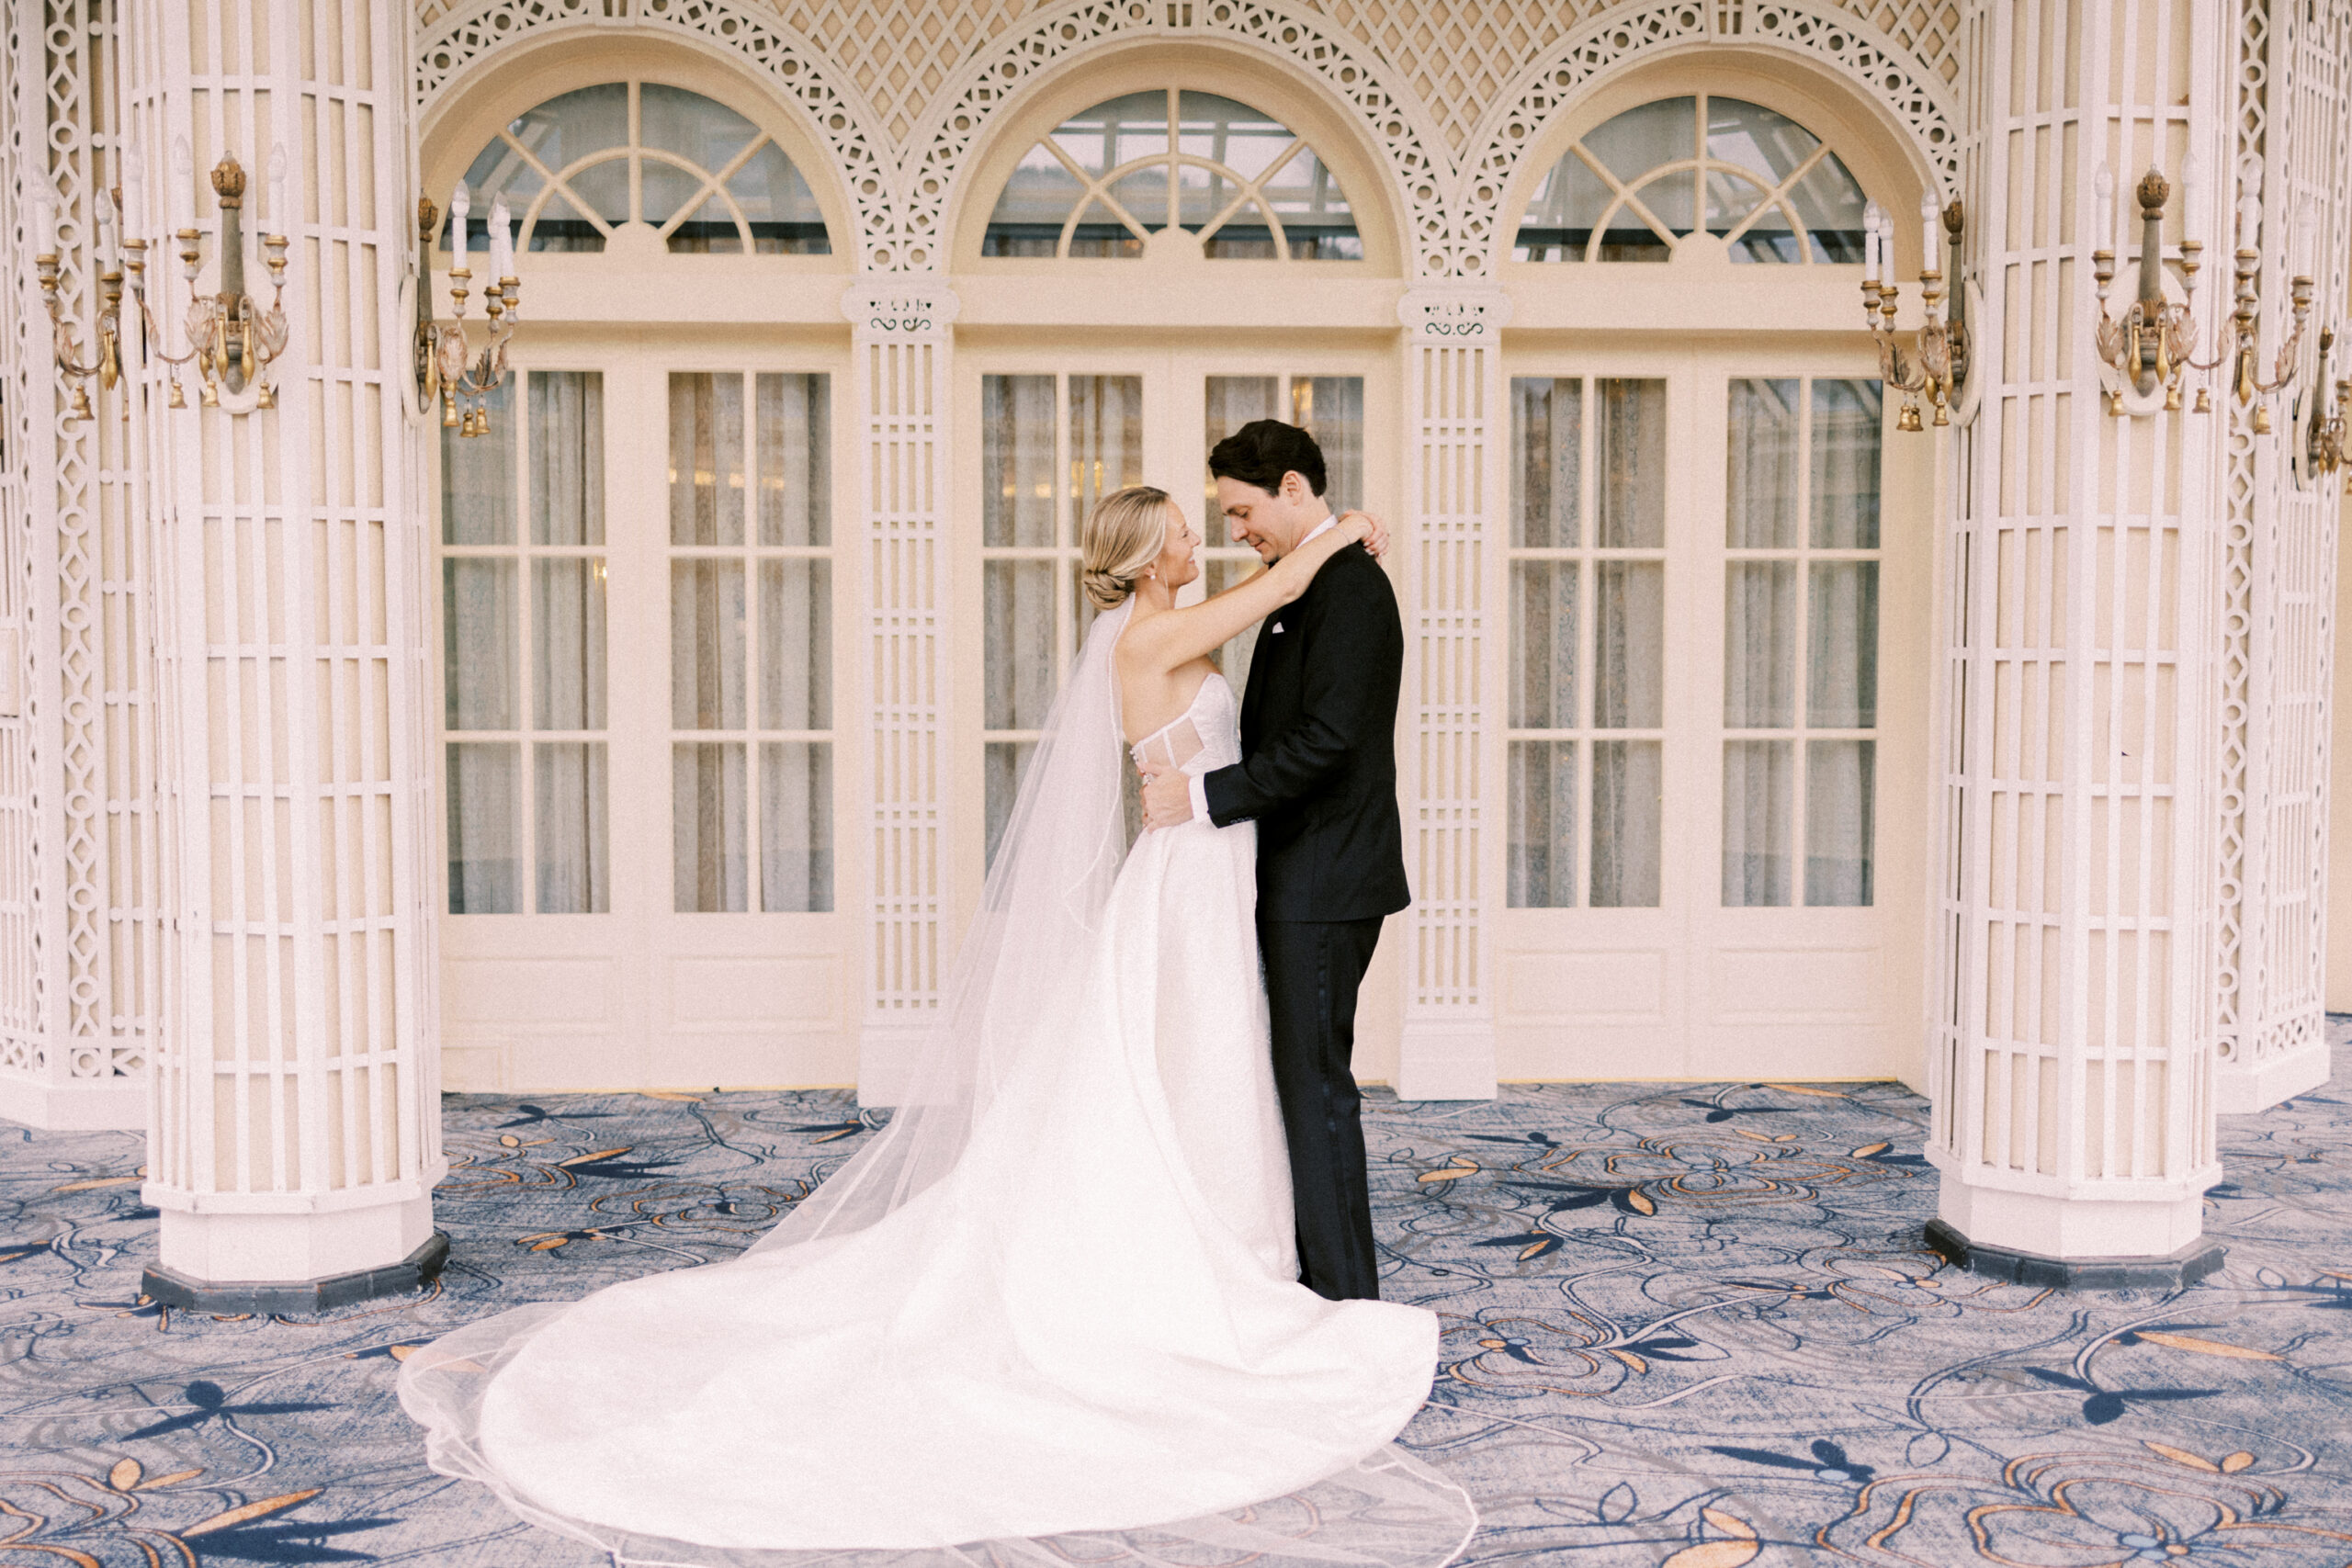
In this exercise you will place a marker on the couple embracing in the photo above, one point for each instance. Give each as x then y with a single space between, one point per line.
1105 1289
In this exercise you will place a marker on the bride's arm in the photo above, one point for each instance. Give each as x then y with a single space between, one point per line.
1178 637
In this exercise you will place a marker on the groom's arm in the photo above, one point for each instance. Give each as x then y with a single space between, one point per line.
1353 662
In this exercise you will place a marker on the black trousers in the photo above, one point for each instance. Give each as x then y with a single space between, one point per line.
1313 970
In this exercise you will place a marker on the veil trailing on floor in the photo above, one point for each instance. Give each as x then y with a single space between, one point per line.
1021 969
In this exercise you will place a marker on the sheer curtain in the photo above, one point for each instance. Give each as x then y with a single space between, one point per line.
570 809
1806 451
480 665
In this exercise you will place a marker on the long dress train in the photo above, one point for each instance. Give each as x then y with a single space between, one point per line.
1084 1341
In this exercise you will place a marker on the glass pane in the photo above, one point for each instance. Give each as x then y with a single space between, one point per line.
779 206
706 645
706 459
1037 201
1544 645
1313 210
796 825
710 871
1017 607
1233 658
1846 424
1841 685
1116 132
796 645
1004 764
478 478
1758 806
1730 197
1672 200
1769 238
1202 194
1142 193
573 125
569 817
1106 440
1565 210
1629 646
559 227
1016 459
1330 408
485 823
1838 809
1766 144
1101 231
567 643
1630 446
477 645
1760 645
695 128
1547 461
603 189
1761 466
663 188
793 432
567 457
1831 204
1627 780
1541 858
1638 140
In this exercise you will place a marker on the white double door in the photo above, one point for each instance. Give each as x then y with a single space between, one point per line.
642 619
1712 672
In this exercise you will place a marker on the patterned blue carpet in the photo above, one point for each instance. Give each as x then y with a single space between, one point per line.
1686 1326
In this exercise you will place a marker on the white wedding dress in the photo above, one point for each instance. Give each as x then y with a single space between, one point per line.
1068 1328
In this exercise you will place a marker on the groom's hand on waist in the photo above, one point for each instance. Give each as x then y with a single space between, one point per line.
1167 796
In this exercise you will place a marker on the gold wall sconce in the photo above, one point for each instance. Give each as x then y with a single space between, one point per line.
1938 365
448 370
2327 433
2151 348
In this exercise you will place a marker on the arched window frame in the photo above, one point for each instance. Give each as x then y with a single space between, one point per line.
462 122
1308 110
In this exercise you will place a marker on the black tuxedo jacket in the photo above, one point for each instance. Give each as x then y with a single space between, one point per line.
1318 750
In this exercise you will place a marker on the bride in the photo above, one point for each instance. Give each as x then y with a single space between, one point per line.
1051 1312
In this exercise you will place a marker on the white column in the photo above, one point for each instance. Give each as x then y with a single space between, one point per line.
2294 65
294 1140
900 336
82 959
2071 1067
1455 455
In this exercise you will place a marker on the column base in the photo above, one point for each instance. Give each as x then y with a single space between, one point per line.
1446 1059
89 1105
413 1272
2240 1091
2176 1272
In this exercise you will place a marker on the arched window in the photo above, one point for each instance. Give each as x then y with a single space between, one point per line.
1769 188
705 179
1109 178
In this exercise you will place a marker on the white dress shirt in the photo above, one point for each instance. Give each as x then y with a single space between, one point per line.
1200 788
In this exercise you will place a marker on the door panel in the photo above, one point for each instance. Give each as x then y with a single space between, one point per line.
1697 677
640 636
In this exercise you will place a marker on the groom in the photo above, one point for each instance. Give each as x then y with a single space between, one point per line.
1318 774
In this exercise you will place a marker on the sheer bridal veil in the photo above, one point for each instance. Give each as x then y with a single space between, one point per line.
1019 970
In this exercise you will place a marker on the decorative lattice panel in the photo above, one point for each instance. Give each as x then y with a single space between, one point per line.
23 344
1458 60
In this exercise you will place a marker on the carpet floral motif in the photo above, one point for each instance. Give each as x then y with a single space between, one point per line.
1685 1326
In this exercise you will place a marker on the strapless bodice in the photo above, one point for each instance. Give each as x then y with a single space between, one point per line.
1205 736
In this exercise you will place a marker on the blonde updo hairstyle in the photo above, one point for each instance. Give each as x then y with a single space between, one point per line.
1123 536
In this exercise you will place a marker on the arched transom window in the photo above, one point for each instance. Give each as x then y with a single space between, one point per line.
1108 179
703 178
1772 190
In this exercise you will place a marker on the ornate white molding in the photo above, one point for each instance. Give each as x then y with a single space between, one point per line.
1877 66
458 45
1439 313
897 308
939 154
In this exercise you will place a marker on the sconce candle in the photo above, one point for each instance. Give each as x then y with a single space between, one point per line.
461 203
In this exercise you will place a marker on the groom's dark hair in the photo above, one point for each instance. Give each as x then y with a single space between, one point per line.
1263 450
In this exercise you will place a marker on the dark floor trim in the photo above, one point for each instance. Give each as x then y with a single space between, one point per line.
2181 1269
297 1296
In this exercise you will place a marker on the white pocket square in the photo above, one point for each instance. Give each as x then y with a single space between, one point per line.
1278 626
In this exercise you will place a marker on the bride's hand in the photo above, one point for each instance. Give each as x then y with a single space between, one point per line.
1365 527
